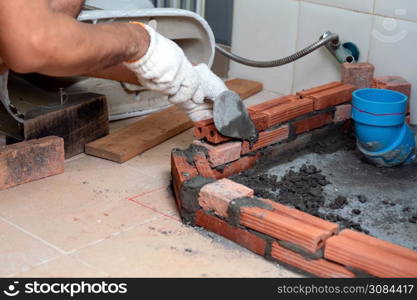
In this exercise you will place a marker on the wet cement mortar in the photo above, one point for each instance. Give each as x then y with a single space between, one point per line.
330 179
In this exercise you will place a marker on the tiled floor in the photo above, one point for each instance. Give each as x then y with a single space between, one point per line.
102 219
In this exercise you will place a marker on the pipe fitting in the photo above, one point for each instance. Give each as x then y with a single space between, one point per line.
382 133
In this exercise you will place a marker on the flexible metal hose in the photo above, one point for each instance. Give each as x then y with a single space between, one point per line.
324 40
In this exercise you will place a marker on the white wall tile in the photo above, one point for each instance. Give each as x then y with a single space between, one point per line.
320 67
393 53
402 9
357 5
265 30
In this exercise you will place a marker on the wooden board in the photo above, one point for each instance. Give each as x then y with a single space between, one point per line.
136 138
245 88
146 133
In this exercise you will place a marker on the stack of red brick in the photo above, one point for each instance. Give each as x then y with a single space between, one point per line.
208 199
284 118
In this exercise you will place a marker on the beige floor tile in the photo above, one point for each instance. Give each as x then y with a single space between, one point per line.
183 140
19 250
156 162
63 266
87 203
160 200
166 248
101 218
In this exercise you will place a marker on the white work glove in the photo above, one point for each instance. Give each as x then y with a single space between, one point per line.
212 86
165 68
198 112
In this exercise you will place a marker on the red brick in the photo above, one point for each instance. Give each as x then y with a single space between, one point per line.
394 83
318 89
203 166
380 244
181 171
284 227
207 130
203 123
264 106
216 196
177 193
313 122
211 134
260 120
237 167
222 153
319 267
333 97
199 127
360 75
31 160
267 138
288 111
237 235
330 227
364 254
343 113
198 133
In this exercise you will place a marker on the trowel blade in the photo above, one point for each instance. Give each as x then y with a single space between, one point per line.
231 117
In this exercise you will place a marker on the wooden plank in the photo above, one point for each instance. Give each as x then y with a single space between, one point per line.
136 138
245 88
146 133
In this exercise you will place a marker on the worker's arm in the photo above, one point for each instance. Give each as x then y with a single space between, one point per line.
118 73
69 7
35 38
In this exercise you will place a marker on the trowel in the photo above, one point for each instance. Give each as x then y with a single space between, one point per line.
231 117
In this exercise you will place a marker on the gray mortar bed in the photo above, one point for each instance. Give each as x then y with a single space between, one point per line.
338 184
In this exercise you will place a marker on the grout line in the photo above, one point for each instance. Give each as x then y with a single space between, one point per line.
33 235
31 267
370 35
294 69
109 236
361 12
89 265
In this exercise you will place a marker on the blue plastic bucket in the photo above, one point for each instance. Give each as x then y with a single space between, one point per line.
383 136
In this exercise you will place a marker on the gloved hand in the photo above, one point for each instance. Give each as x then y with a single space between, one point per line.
165 68
212 86
198 112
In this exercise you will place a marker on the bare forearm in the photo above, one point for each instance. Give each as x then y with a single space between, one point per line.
87 48
55 44
117 72
69 7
